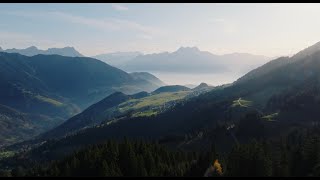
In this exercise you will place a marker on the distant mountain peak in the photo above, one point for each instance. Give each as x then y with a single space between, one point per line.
117 93
64 48
32 48
188 49
69 47
237 54
202 86
139 95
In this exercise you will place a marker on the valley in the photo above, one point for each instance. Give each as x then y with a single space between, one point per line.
184 119
181 118
159 90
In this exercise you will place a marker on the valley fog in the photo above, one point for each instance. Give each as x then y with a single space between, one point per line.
171 78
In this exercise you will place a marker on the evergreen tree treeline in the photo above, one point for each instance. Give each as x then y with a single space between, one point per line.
297 154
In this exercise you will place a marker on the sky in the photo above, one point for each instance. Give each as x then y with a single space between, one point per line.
262 29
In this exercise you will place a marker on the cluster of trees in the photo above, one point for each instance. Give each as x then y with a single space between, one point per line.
128 158
294 155
297 154
291 154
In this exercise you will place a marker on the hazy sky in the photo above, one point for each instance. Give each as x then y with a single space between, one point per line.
264 29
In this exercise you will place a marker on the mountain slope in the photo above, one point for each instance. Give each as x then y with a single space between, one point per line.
22 89
89 117
119 106
306 52
271 101
59 87
16 126
148 77
227 105
265 69
83 80
116 107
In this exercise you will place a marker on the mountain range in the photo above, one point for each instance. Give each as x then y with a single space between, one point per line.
117 58
278 99
32 51
185 60
283 93
57 87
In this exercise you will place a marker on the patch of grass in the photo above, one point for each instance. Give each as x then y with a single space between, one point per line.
152 101
145 113
241 102
6 154
49 100
270 117
28 126
11 139
147 106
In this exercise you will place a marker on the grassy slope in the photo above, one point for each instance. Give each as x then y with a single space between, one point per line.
147 106
16 126
49 100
